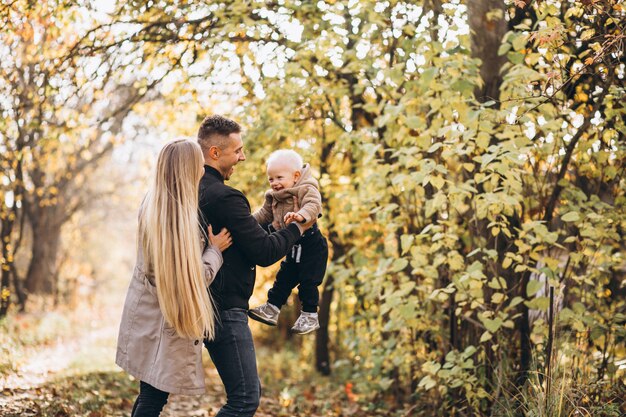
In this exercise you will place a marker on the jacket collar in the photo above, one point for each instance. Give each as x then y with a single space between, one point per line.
209 170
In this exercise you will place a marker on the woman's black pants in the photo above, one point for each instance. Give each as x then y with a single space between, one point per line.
149 402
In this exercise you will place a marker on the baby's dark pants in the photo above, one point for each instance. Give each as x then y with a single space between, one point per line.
304 267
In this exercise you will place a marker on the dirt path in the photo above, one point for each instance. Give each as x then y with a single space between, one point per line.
37 381
60 378
49 361
22 390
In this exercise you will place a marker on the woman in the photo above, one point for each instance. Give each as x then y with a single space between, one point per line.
168 310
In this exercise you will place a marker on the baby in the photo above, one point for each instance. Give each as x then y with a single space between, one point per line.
294 196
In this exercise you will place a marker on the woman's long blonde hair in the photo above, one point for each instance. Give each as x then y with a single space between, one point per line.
170 236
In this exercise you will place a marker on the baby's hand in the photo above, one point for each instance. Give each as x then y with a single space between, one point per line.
293 217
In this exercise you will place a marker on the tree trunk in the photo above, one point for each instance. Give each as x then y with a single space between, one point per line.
322 356
40 278
487 28
8 247
5 301
322 337
19 288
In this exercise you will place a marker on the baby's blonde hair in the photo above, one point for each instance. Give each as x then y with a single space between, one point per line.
289 156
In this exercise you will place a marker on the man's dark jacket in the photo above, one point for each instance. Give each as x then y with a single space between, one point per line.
223 206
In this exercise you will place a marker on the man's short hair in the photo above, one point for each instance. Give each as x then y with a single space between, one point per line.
288 156
214 130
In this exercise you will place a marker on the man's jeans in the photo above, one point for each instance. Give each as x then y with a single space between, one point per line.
232 352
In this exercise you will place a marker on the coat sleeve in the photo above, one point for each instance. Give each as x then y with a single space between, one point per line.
264 214
211 261
310 202
259 247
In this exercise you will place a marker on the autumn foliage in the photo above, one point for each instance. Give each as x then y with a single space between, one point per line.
470 158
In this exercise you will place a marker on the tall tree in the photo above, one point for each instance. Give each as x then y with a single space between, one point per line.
471 153
64 109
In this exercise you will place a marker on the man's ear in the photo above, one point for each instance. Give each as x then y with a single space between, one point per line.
214 152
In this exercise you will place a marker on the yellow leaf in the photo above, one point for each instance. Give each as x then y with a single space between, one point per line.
437 182
497 298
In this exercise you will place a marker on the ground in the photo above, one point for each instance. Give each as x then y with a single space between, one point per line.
75 376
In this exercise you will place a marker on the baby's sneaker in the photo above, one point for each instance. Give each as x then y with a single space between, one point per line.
266 313
306 323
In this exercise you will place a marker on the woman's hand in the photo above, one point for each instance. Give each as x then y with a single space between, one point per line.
222 240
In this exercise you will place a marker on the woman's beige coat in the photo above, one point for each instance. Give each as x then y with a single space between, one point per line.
148 348
303 198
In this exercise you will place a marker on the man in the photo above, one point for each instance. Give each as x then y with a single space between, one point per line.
232 350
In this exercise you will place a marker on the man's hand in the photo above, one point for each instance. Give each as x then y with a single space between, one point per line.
293 217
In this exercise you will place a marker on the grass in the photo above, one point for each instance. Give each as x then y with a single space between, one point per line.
88 383
568 396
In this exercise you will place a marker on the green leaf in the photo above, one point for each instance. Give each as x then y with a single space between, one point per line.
427 383
408 311
463 86
572 216
406 241
469 351
596 332
519 42
399 264
413 122
485 337
482 140
405 289
539 303
385 383
504 48
431 367
428 75
492 325
434 147
515 301
533 286
515 57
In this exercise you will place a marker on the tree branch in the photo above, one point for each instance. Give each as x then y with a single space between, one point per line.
548 214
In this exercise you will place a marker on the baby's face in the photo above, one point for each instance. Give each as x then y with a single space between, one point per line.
282 175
